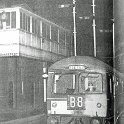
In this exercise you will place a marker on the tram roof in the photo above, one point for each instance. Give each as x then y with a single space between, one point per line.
91 63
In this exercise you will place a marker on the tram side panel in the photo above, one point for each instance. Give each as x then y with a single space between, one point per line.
110 98
119 99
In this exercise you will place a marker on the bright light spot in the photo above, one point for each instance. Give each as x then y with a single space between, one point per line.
61 6
80 17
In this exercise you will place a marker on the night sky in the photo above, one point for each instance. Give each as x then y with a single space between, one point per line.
84 20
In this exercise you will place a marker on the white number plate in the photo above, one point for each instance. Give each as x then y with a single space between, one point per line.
75 102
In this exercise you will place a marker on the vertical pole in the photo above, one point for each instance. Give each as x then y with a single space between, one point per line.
74 24
50 40
14 94
45 80
94 27
45 83
22 87
34 93
113 45
58 42
74 81
114 81
41 39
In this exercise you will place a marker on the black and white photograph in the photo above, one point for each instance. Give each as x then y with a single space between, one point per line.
61 61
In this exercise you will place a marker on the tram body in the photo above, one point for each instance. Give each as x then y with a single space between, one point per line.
118 80
79 91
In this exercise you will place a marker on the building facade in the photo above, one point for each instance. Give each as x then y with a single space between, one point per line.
28 43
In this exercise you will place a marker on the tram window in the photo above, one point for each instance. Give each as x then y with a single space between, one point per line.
90 83
110 84
120 85
64 83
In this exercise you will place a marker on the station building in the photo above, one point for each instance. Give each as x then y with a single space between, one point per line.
28 43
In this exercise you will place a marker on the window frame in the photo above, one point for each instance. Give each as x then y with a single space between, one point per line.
54 83
77 85
9 20
93 92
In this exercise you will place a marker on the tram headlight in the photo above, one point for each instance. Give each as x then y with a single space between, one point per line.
95 121
54 121
54 105
99 105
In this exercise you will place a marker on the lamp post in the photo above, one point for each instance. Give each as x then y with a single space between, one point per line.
74 22
74 26
94 27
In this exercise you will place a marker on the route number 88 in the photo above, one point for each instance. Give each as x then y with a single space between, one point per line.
76 102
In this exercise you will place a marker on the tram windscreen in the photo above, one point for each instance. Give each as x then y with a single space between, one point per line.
64 83
90 83
81 82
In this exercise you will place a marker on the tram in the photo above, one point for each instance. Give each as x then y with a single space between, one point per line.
80 91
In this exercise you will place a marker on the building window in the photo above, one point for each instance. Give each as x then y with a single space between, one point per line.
37 24
54 34
33 25
44 29
13 20
28 25
24 22
62 37
21 20
48 32
8 20
11 91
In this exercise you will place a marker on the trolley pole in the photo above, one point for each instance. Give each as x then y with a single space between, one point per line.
94 27
114 68
74 26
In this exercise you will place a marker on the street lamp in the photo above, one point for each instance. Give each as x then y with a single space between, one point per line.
74 25
74 22
94 27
